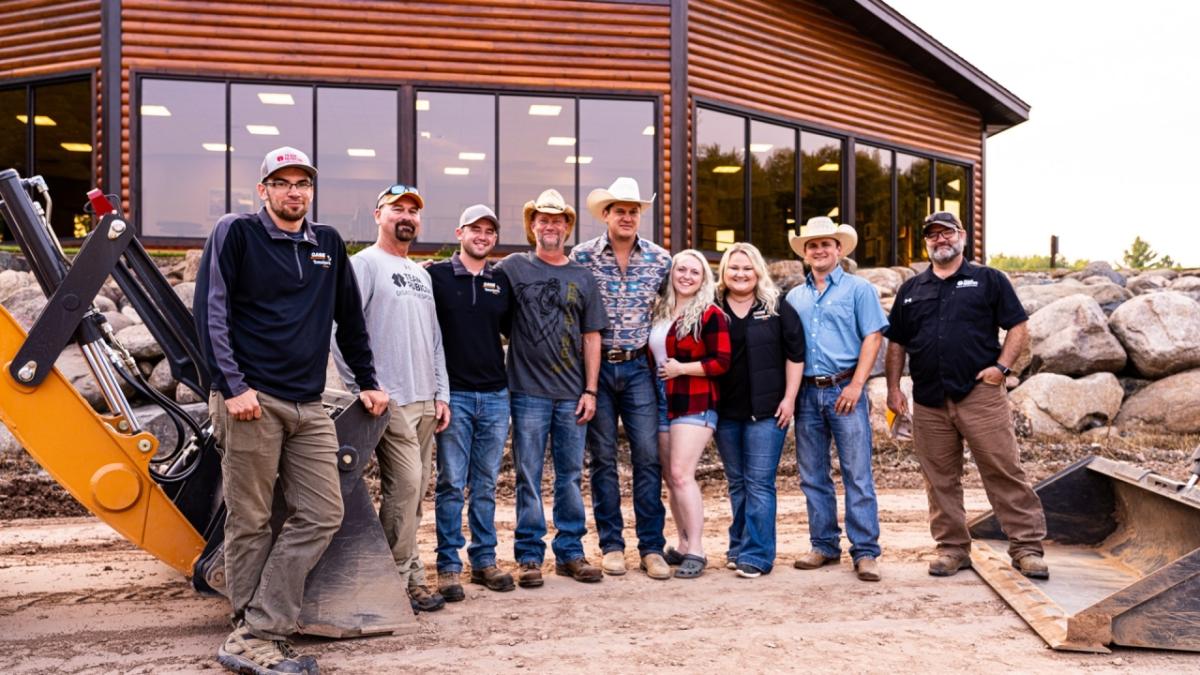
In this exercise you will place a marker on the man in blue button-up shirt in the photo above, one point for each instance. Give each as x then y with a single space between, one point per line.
843 324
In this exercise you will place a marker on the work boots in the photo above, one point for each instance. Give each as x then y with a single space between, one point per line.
492 578
449 587
424 600
242 652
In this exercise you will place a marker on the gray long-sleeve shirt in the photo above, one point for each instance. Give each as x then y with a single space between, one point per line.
402 324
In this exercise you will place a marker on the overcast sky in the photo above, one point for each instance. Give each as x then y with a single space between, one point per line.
1112 148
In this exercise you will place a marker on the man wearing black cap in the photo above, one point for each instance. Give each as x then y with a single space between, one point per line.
947 319
269 288
402 321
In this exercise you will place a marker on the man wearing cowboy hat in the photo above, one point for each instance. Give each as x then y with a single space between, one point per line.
553 366
947 319
629 271
843 324
397 299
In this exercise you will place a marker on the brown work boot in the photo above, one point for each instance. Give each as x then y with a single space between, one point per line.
579 569
493 578
815 559
1032 566
949 562
529 575
242 652
424 600
867 569
450 587
614 563
656 566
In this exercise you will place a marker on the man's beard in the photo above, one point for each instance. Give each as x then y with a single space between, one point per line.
405 231
940 254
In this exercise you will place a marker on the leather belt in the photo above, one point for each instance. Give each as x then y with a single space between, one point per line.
622 355
824 381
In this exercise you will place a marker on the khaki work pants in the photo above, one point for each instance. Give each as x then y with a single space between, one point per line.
405 454
296 443
984 420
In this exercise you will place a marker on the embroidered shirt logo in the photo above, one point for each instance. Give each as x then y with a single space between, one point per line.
908 300
966 283
491 287
320 259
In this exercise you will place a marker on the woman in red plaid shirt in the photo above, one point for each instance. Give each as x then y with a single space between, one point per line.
690 343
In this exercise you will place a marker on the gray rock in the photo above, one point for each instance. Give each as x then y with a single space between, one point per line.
886 280
191 264
1147 283
1071 337
1160 332
131 314
787 274
118 320
1100 268
185 395
113 292
186 291
146 367
1171 404
140 343
104 303
26 305
12 281
905 273
1133 385
161 379
1189 286
154 420
1108 295
919 266
1056 404
1165 273
75 370
13 261
1035 297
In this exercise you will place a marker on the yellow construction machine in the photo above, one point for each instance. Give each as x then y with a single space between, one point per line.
168 501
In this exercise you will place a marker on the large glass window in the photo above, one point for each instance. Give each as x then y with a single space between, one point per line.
820 176
357 155
183 157
873 205
456 151
952 187
720 196
772 187
537 141
616 139
913 200
264 117
14 137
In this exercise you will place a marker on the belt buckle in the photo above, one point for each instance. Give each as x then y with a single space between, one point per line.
615 356
823 381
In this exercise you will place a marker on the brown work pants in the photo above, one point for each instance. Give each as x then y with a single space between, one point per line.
984 420
405 454
296 443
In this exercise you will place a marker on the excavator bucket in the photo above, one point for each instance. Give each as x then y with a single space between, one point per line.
1123 546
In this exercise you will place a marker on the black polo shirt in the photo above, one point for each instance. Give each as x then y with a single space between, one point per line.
949 327
472 310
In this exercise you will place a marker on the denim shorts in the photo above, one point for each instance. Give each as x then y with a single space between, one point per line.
708 418
664 424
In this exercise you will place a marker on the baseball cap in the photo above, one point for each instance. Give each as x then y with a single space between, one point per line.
281 158
393 194
477 212
942 218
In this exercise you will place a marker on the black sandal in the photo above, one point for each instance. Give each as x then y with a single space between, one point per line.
691 567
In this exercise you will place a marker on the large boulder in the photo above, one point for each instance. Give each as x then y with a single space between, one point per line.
1160 331
1070 336
1148 283
1100 269
104 303
26 305
886 280
12 281
1189 286
1035 297
1056 404
787 274
877 395
1107 294
186 292
74 368
118 320
905 273
140 343
161 378
1171 404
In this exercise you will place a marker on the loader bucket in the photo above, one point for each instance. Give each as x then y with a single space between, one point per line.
1123 546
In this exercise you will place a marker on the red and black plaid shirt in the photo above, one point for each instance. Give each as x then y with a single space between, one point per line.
688 394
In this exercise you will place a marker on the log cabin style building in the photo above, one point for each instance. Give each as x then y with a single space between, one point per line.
746 117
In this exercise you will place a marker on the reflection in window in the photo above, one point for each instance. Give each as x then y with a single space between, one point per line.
537 139
820 176
62 151
772 188
720 196
614 142
182 143
456 161
912 197
14 137
357 156
951 190
873 205
264 117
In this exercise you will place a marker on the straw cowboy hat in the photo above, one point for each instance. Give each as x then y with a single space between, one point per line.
549 201
824 228
623 189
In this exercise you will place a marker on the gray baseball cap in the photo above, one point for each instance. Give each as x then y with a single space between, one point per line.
477 212
281 158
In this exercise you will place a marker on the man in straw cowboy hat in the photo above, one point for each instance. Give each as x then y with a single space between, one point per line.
629 271
843 324
553 366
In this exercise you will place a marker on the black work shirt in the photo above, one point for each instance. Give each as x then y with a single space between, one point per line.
473 310
735 383
949 327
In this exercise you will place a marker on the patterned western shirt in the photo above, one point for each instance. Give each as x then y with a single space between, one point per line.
629 296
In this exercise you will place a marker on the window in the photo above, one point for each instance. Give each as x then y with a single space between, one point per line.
913 202
537 138
873 205
820 176
616 139
720 195
357 152
772 187
456 151
46 130
264 117
951 189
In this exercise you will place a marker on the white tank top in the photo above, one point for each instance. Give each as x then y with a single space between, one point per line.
658 340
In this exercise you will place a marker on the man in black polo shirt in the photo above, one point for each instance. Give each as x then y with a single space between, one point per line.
947 319
474 302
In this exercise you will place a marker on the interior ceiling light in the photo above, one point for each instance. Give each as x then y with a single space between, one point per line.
648 131
422 104
215 147
155 111
545 110
954 185
726 169
761 147
272 98
828 166
38 120
456 171
262 129
426 134
581 159
560 140
360 152
472 156
76 147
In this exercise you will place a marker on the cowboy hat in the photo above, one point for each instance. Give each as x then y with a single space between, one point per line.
822 227
552 202
623 189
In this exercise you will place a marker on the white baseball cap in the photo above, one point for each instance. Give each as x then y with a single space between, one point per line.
282 158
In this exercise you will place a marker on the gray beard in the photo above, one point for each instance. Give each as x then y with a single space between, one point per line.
940 255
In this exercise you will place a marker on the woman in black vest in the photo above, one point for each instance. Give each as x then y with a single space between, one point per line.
758 398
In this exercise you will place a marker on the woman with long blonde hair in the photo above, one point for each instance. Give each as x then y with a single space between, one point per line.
690 343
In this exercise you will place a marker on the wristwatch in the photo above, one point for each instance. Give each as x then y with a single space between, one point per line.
1004 370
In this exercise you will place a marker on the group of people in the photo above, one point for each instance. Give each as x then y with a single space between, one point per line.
616 333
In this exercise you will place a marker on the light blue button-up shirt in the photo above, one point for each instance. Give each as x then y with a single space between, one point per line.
836 320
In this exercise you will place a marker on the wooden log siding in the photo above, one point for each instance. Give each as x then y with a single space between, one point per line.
535 44
42 38
796 59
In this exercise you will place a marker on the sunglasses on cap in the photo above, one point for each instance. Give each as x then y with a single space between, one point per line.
399 189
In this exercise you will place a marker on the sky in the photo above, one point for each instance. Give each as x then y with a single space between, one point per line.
1111 150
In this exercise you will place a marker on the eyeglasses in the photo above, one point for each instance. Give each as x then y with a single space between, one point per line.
302 185
941 234
399 189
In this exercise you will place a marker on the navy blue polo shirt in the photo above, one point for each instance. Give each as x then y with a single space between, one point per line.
950 328
472 310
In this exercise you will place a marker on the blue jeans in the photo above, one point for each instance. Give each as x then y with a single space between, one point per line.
535 420
750 451
816 424
627 390
468 455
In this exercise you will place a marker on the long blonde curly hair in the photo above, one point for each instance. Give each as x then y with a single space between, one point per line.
692 317
765 290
